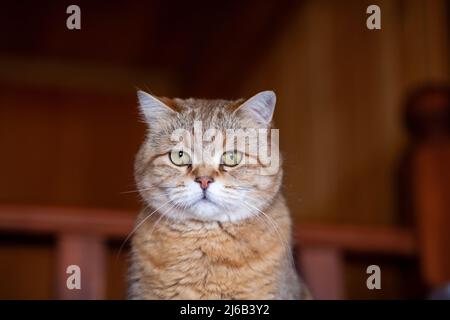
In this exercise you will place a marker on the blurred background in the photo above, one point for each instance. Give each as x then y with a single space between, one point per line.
363 118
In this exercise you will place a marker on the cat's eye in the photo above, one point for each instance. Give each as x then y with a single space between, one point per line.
180 158
231 158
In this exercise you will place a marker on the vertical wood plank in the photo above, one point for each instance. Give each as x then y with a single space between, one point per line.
431 187
323 271
89 253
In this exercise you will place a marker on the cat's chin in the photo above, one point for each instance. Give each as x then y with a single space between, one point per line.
208 210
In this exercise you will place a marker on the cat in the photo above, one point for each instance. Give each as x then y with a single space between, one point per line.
212 228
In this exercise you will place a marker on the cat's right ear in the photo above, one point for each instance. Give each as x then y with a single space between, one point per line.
153 108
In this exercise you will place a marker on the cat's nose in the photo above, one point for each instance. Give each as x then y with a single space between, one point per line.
204 181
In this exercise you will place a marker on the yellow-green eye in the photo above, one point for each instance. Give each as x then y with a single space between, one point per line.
179 158
231 158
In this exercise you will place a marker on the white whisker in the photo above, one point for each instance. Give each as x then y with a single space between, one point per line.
283 239
138 226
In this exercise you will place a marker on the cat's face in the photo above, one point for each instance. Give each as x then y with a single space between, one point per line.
207 175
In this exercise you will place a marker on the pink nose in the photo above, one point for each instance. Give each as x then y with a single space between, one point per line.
204 181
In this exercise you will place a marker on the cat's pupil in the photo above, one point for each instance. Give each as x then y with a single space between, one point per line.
180 154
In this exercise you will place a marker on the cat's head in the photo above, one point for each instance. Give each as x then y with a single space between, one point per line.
199 159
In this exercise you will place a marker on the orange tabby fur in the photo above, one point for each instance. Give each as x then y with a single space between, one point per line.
213 260
184 251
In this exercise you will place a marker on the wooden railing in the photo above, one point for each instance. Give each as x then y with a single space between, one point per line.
82 233
322 249
427 118
81 236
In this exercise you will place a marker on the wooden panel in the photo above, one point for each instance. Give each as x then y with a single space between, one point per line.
340 91
26 268
51 220
88 252
427 116
323 268
432 190
65 147
398 241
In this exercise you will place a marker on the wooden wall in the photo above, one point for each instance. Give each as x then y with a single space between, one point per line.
341 89
68 148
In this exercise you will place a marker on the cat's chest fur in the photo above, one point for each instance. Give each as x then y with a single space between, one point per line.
194 260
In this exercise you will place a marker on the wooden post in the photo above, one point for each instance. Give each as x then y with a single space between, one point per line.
323 271
89 253
428 121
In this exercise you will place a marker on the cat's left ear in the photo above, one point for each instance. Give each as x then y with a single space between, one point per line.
261 106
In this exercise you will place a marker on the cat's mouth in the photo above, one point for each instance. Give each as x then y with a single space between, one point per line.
205 199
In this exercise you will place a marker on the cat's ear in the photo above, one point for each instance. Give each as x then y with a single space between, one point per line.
261 106
153 108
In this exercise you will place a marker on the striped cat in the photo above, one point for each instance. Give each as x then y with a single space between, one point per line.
215 226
